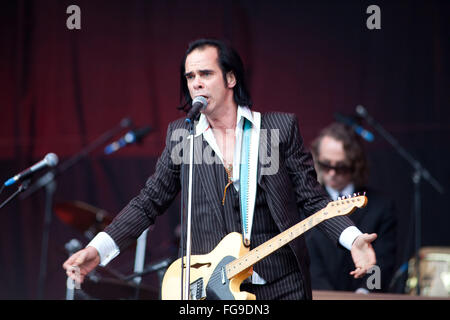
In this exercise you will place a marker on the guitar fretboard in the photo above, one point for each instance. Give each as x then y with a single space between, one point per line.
268 247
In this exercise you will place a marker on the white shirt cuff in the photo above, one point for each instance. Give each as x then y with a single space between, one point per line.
348 236
106 247
257 279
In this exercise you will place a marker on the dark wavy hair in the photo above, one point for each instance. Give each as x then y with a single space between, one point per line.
229 60
353 147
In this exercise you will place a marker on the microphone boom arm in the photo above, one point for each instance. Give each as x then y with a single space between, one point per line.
47 178
418 167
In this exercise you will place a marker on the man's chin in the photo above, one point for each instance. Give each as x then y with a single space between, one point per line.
335 186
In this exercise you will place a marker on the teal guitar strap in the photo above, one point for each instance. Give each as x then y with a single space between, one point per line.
245 181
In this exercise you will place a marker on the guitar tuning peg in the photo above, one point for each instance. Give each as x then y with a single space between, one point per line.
354 194
339 198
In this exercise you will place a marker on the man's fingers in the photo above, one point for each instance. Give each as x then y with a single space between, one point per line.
365 238
75 273
72 266
69 262
358 273
371 237
81 257
75 260
81 263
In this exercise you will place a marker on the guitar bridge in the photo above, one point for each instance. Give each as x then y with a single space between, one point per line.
197 290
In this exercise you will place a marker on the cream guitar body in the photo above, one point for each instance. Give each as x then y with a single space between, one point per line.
208 274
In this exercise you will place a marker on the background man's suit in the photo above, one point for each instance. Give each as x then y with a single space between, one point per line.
330 267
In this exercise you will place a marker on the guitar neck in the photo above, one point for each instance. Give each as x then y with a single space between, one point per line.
268 247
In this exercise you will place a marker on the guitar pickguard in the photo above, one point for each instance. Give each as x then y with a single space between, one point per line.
218 287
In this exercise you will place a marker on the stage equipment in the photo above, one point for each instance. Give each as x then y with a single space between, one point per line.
85 218
132 136
99 285
352 123
419 173
49 182
434 272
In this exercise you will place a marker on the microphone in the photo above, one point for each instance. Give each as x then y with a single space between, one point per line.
361 111
50 160
199 103
366 135
132 136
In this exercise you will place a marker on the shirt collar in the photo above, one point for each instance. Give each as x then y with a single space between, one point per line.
334 194
242 112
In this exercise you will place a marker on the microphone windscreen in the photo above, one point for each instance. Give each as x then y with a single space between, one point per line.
201 100
51 159
360 110
199 103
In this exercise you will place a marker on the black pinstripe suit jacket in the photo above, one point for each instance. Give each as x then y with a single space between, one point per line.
291 192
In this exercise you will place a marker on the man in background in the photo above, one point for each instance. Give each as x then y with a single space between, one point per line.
342 170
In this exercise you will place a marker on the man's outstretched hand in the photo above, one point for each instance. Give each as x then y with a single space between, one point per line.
81 263
363 254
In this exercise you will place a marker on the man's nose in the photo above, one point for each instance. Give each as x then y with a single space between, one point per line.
197 84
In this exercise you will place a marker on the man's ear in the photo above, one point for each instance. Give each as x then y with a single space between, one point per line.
231 79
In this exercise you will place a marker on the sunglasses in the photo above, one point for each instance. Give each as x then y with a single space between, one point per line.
339 169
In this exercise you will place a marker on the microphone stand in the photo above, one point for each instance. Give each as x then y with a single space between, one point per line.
48 181
20 189
159 267
139 260
50 189
187 281
156 266
419 173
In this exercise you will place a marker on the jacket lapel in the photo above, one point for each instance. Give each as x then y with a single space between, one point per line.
205 174
262 148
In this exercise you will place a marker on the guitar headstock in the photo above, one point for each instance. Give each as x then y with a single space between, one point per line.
345 205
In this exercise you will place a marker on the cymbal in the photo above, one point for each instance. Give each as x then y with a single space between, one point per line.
82 216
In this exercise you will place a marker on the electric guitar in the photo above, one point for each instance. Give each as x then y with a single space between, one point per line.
219 274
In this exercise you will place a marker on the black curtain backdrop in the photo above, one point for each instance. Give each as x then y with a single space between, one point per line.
61 89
